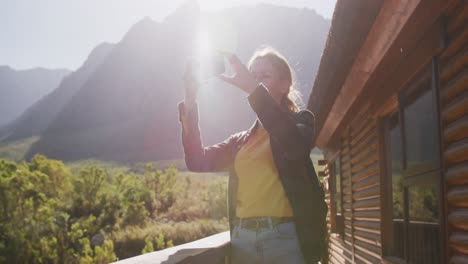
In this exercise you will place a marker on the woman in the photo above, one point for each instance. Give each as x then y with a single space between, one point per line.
276 204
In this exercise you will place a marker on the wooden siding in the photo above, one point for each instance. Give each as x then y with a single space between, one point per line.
454 122
360 158
361 196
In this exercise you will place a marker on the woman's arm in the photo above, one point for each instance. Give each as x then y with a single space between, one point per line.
293 131
218 157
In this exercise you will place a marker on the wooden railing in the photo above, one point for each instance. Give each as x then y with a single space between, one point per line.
423 241
212 249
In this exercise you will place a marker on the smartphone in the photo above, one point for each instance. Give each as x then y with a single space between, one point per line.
217 63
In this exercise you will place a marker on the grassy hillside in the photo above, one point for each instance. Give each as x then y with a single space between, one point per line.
15 151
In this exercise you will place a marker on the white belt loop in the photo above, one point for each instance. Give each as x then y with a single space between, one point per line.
270 222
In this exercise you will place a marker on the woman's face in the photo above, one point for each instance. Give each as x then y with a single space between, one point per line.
264 72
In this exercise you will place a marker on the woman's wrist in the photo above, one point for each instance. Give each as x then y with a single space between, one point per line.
189 104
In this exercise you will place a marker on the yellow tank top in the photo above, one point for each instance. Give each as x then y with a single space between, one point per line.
260 192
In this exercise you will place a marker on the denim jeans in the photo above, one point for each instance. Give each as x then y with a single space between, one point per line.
278 244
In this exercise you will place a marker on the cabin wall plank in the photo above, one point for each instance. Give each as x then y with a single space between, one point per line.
454 114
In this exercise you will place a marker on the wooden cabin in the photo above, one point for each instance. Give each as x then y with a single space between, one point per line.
391 106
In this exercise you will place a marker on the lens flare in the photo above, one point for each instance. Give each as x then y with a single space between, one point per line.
204 45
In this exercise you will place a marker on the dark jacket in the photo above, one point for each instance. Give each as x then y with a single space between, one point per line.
290 140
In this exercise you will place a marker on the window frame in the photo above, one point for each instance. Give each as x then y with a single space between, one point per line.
412 178
387 180
337 223
336 219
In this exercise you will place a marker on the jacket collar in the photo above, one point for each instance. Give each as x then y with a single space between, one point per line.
254 127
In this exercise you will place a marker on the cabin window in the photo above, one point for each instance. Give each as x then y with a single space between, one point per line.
338 201
338 226
420 133
395 196
413 170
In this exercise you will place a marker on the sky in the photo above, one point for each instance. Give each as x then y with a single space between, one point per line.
61 33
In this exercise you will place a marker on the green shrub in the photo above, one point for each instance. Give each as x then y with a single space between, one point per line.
51 214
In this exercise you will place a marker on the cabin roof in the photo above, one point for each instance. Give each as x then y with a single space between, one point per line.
351 23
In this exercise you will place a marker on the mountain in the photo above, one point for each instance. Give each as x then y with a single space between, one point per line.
127 109
21 88
39 116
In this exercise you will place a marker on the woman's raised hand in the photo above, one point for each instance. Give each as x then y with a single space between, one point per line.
242 78
191 84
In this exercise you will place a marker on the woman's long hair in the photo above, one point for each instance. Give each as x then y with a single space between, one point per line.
286 73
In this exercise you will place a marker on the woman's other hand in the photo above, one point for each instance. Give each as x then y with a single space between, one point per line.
242 78
191 84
